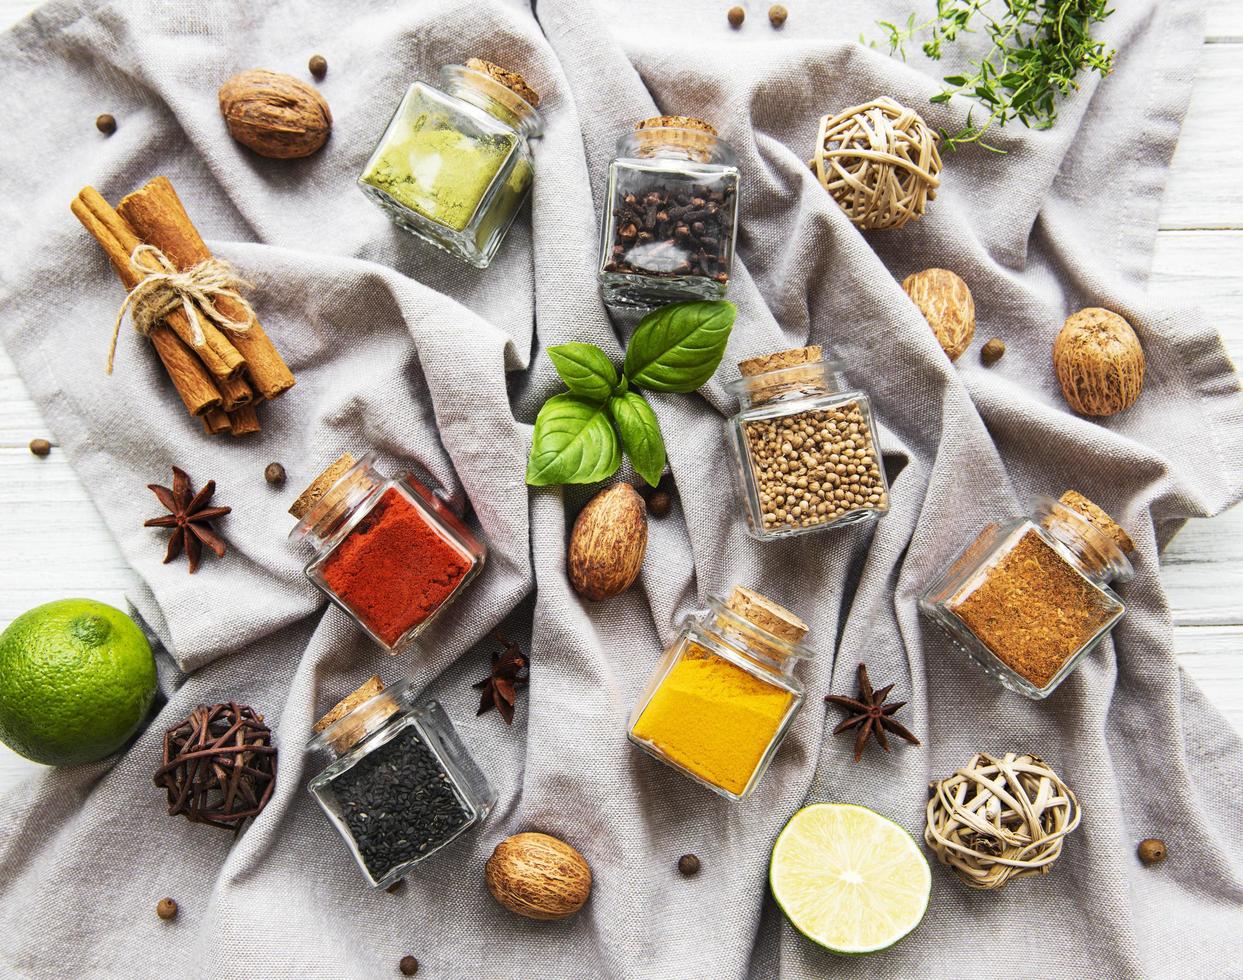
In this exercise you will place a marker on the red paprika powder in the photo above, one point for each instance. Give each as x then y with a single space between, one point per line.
394 569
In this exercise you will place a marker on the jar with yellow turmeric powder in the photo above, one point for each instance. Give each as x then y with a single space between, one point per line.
725 693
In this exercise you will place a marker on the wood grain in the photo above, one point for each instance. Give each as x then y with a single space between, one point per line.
45 512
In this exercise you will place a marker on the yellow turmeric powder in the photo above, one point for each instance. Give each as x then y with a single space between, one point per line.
713 718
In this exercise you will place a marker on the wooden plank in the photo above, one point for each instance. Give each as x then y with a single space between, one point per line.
1204 268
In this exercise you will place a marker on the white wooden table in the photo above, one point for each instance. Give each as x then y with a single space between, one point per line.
53 543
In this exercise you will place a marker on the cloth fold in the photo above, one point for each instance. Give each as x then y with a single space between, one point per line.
442 368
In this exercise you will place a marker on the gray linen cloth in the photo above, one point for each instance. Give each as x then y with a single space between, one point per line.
402 349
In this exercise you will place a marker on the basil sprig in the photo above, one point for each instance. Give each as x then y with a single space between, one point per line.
580 434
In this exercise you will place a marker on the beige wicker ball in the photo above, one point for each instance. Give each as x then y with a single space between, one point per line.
879 162
999 819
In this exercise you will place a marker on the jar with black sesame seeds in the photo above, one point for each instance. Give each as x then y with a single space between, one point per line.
396 780
805 447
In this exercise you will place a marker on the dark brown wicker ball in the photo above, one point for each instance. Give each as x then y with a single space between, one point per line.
219 766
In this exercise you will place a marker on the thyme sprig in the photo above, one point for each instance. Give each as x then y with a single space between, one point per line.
1039 48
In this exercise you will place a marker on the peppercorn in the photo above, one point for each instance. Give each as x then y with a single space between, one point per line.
688 864
166 908
1152 851
736 16
275 474
659 503
40 447
106 124
318 66
777 14
409 966
991 352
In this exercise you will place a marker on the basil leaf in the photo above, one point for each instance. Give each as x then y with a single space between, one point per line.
678 347
585 369
574 443
640 433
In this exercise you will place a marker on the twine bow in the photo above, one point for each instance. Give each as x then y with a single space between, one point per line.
196 290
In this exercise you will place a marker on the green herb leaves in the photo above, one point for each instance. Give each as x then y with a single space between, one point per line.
579 435
1039 47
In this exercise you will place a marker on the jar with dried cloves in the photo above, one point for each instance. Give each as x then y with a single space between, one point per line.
671 214
395 779
804 446
1028 599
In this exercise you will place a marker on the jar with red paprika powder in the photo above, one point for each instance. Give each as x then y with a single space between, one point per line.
388 551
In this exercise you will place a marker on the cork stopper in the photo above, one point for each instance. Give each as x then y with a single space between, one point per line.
346 736
1098 519
510 79
766 614
320 486
797 370
696 137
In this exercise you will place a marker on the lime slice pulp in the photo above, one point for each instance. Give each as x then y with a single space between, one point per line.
849 879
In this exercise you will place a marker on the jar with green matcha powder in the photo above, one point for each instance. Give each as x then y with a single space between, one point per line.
454 165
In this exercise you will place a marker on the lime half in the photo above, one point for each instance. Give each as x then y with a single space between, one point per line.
849 879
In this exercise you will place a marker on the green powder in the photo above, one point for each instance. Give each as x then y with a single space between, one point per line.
439 172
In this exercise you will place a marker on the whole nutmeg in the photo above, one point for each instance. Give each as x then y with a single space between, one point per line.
1152 851
538 876
736 16
608 543
275 115
166 908
1099 362
946 303
992 351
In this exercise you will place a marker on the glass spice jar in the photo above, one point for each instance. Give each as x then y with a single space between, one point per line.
725 693
388 551
1028 599
455 165
396 781
671 214
804 447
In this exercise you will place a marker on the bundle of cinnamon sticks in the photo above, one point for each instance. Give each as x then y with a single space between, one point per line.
220 375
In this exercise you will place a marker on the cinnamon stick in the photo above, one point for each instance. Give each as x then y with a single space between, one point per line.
187 373
244 421
216 422
220 357
157 214
235 393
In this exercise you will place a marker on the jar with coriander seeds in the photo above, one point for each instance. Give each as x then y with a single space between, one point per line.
395 779
454 165
1028 599
725 694
670 214
805 448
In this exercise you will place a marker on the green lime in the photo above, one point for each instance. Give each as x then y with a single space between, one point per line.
849 879
76 679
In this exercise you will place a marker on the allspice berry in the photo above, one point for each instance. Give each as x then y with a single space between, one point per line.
106 123
166 909
736 16
777 14
318 66
1152 851
409 966
688 864
659 503
40 447
992 351
274 473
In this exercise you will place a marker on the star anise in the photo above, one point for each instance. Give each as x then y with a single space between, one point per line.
870 714
189 517
510 672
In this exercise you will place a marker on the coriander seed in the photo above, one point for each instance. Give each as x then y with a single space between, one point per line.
688 864
106 123
409 966
736 16
274 473
659 503
777 14
166 909
40 447
1152 851
992 351
318 66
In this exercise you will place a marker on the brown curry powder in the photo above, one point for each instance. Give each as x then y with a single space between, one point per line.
1033 610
